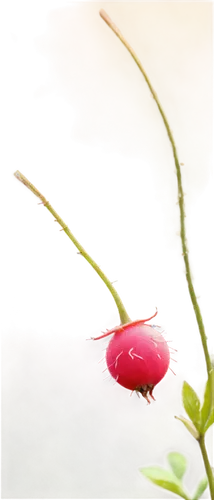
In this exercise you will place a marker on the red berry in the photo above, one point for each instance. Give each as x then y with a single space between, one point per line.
138 357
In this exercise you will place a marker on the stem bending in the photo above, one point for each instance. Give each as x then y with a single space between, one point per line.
192 293
124 318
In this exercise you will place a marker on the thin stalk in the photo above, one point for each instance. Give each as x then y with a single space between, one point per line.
207 465
181 204
188 269
124 318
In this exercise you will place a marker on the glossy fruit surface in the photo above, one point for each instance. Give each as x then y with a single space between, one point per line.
138 357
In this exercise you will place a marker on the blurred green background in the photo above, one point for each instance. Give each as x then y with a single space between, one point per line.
66 434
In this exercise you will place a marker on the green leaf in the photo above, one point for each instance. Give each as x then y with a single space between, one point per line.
190 426
191 404
178 464
212 394
201 488
210 421
205 403
164 478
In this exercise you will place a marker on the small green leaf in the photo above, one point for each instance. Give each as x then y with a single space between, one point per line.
164 478
190 426
210 421
178 464
201 488
212 394
192 405
205 403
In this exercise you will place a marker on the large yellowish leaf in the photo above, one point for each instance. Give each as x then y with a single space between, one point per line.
95 73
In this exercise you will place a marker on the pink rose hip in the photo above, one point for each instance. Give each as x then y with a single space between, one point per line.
137 356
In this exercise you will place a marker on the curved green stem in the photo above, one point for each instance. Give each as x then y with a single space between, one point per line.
207 465
117 32
188 269
124 318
